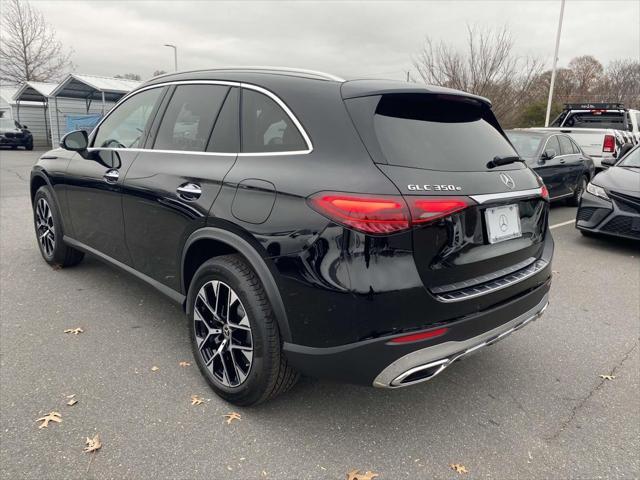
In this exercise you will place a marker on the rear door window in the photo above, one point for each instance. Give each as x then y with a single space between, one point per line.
565 145
189 117
266 127
435 132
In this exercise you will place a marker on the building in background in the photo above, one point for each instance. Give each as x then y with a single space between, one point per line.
50 110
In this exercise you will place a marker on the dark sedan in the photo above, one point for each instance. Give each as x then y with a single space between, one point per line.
611 202
564 168
14 135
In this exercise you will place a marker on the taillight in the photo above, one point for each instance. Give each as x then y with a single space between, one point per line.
609 144
427 209
370 214
384 214
544 192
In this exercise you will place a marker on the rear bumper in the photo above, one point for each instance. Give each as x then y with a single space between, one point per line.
600 216
378 362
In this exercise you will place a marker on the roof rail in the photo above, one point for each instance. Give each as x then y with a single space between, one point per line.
315 73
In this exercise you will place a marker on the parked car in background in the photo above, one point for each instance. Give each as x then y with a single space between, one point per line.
14 135
308 224
611 202
600 129
564 168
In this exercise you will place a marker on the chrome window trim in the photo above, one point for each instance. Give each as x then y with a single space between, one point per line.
249 86
488 197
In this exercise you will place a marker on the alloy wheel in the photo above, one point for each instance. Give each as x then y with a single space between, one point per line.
223 333
45 227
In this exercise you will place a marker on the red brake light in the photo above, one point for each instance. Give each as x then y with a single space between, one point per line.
609 144
426 209
384 214
414 337
369 214
544 192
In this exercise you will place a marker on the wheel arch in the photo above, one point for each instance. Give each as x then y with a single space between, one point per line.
210 242
37 180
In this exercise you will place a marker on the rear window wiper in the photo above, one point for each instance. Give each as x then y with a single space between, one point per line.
499 161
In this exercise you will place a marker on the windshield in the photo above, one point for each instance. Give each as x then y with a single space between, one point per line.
632 159
526 144
595 119
7 123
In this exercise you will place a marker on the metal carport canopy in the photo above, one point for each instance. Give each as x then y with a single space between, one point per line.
34 92
92 87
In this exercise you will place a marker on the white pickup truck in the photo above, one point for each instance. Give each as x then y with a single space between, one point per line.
600 129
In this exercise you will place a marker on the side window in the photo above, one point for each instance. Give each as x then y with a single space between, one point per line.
125 126
565 145
189 117
226 133
576 148
266 127
552 144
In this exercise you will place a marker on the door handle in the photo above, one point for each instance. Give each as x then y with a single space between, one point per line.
111 176
562 161
189 191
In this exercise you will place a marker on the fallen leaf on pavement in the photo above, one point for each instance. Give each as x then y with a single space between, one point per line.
185 364
155 369
49 417
72 402
196 400
459 468
93 444
232 416
75 331
607 377
356 475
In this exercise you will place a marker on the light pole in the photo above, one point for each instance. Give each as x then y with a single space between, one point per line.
175 54
555 62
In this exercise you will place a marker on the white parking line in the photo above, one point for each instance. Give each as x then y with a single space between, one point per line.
568 222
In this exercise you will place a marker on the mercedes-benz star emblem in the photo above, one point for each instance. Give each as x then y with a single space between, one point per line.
508 181
504 223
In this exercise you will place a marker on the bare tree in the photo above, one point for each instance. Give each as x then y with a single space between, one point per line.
29 50
159 72
621 83
587 72
487 67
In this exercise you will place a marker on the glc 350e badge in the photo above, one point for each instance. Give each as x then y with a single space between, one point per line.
433 188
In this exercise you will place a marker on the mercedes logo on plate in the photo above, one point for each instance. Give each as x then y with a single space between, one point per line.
507 180
504 223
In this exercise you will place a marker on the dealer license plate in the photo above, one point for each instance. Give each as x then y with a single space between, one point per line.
503 223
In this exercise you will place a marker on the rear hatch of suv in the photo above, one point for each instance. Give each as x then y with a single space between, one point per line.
478 227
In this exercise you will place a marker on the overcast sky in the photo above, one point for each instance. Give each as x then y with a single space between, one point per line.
347 38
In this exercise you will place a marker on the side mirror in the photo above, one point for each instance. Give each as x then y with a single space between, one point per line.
624 149
548 154
609 161
76 141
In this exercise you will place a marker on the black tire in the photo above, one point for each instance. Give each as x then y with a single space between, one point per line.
29 145
53 249
268 373
577 194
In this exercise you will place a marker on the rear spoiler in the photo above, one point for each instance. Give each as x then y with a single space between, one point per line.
367 88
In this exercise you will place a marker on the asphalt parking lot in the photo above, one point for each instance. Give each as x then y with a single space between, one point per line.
532 406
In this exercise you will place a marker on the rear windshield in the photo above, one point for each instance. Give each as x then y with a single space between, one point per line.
595 120
435 132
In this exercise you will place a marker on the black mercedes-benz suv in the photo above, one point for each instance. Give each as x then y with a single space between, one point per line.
366 231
